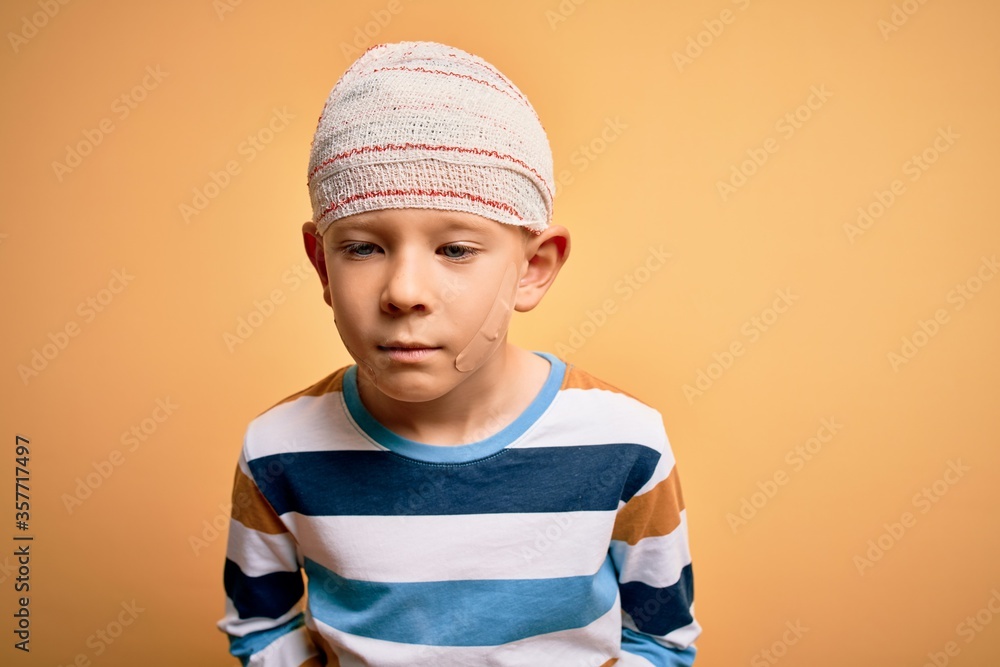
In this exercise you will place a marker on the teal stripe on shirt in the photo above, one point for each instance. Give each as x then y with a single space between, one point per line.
486 612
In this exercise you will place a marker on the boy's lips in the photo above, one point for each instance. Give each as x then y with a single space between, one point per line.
407 352
403 345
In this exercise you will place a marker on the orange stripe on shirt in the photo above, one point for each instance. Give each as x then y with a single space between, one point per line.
331 383
652 514
251 508
577 379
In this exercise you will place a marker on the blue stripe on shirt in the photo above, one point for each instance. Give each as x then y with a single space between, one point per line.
486 612
647 647
660 610
269 595
532 479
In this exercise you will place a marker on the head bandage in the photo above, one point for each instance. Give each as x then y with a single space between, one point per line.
425 125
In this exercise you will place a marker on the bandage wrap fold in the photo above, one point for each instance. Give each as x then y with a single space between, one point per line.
425 125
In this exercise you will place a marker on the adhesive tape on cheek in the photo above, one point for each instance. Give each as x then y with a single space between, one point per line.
484 342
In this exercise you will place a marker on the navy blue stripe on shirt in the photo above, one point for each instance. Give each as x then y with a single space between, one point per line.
269 595
660 610
532 479
473 612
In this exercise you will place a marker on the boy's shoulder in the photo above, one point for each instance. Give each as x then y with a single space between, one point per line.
329 384
608 409
577 378
287 424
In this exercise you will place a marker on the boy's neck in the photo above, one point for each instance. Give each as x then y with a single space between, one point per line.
478 408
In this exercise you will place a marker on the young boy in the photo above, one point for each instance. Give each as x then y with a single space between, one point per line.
452 499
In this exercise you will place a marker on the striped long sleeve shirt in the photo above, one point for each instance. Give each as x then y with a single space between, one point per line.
559 540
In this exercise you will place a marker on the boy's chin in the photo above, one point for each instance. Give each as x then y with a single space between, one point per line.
412 385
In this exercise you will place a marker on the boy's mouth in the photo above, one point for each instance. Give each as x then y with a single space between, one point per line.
407 352
399 345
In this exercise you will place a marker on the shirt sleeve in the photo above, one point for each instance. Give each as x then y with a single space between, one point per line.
650 551
264 617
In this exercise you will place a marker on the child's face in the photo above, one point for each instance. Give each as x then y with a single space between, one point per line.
412 288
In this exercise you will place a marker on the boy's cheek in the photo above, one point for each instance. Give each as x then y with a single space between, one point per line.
494 325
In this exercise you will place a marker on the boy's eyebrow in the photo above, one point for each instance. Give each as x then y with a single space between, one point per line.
465 223
358 224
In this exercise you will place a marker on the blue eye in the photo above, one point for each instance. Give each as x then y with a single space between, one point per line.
360 249
457 251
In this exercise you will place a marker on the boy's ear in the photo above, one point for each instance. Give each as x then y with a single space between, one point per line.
546 254
314 250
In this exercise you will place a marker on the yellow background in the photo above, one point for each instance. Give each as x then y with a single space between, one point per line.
682 127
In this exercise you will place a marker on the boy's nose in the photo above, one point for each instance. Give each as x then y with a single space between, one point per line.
407 286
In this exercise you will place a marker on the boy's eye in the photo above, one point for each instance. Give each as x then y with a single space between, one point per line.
456 251
360 249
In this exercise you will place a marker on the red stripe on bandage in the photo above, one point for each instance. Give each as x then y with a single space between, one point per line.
407 146
461 76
